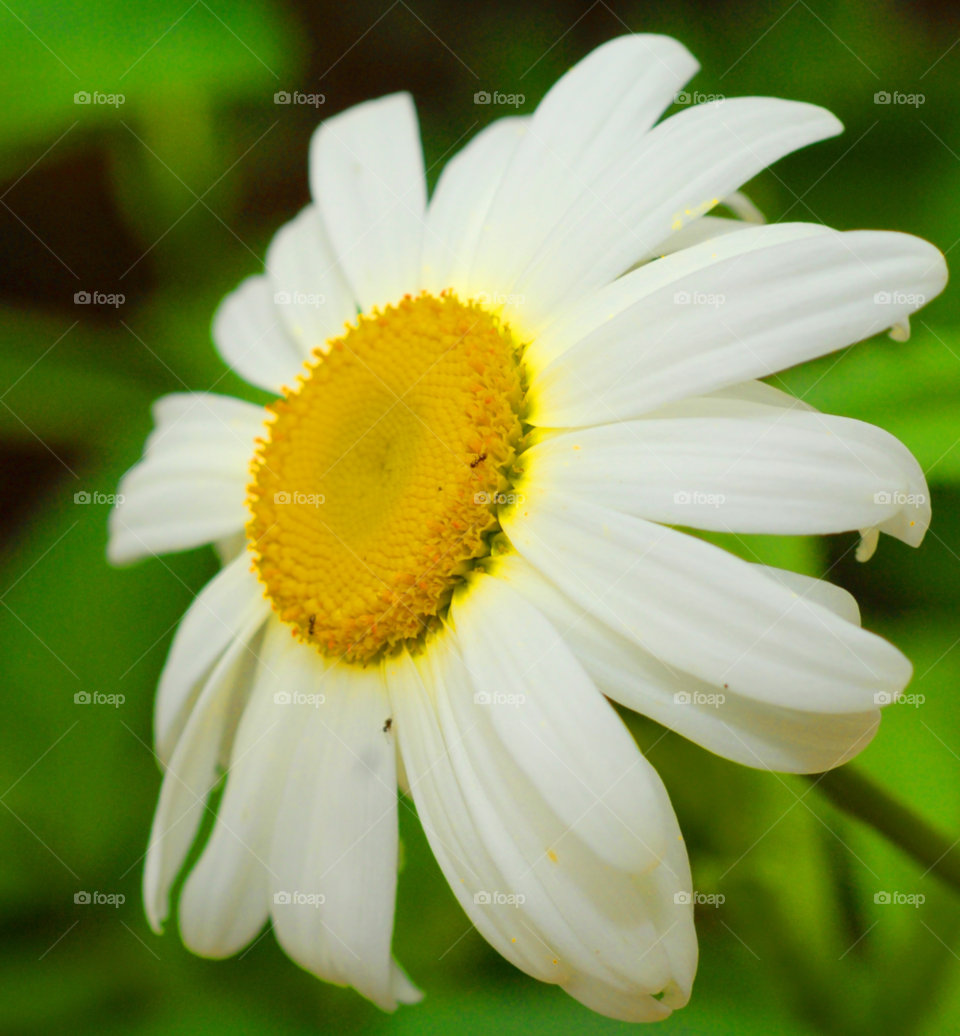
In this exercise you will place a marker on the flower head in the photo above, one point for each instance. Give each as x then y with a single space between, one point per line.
452 537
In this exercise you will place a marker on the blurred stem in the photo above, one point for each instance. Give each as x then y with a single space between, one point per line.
858 795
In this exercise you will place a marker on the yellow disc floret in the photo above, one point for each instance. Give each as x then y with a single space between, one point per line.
375 489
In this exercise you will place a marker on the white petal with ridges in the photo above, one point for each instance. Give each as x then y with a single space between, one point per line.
367 179
311 295
587 120
493 833
791 473
251 338
225 899
742 729
512 653
460 204
189 488
698 608
762 311
670 177
190 777
230 608
336 835
598 311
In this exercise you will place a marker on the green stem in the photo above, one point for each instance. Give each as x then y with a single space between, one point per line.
859 796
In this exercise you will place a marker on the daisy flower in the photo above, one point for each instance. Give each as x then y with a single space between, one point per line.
453 536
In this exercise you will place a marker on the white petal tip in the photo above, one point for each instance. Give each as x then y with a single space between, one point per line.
867 547
900 332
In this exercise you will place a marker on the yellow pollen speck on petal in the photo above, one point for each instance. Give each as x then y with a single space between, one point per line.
552 855
375 489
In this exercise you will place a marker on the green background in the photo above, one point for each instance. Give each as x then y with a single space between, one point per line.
106 199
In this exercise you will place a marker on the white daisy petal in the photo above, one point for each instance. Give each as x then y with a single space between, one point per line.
189 488
671 176
495 837
461 202
841 602
706 228
368 180
587 120
190 777
598 311
249 335
792 473
766 309
230 608
742 729
225 899
698 608
336 835
512 653
311 295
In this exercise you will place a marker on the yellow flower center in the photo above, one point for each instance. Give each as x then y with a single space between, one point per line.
376 487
